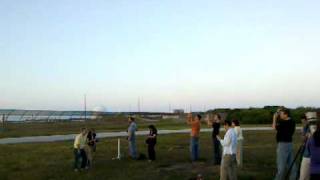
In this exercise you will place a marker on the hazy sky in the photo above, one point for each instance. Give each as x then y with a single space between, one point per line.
206 53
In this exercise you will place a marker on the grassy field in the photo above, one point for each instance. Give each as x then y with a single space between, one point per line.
119 123
110 124
54 160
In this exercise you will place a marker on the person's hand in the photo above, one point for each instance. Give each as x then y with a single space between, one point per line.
218 137
309 135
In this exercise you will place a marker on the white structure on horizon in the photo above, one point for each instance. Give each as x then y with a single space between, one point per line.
99 109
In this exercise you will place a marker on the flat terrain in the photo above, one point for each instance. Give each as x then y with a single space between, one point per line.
54 160
57 128
110 124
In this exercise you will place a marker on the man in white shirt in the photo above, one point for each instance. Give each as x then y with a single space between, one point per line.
229 163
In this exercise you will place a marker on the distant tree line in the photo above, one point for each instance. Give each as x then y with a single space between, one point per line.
260 115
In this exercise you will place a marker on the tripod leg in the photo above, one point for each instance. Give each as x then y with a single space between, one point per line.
292 165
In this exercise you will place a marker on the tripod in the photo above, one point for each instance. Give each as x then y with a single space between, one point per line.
299 153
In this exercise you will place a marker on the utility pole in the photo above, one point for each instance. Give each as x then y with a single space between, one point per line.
169 107
139 104
85 107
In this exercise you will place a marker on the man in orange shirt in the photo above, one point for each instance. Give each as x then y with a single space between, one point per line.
195 132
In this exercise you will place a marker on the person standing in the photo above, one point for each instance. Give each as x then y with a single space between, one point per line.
94 140
214 122
195 133
132 138
89 148
237 128
228 170
313 145
79 152
152 141
285 127
305 162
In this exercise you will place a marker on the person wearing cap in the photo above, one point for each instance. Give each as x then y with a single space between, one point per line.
285 127
313 146
306 134
195 133
228 169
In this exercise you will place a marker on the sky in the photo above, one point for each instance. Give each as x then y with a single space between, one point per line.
168 53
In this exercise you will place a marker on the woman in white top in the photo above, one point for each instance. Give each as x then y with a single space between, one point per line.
236 126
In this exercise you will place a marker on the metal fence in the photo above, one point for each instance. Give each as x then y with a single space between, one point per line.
46 115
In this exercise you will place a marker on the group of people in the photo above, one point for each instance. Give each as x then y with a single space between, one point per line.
84 147
231 143
151 140
286 161
228 152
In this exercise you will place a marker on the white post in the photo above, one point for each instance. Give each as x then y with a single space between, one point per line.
119 156
119 152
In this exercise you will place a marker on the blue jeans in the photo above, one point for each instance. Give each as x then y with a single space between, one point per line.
133 149
194 147
79 157
284 161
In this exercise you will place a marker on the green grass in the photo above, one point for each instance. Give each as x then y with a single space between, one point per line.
57 128
54 160
116 123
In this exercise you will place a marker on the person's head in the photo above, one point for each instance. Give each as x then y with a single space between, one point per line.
152 128
316 134
227 124
131 119
235 122
304 119
197 117
284 114
217 118
83 131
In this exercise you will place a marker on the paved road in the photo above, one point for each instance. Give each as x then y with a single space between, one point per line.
53 138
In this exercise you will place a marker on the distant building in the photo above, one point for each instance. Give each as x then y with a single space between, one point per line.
178 111
171 117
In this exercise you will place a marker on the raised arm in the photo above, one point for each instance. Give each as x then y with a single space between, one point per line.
274 121
189 118
209 121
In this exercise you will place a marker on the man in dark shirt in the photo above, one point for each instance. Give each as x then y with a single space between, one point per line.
214 122
285 128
